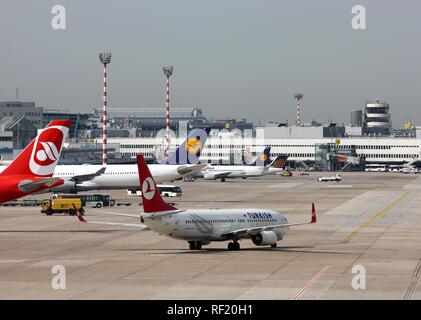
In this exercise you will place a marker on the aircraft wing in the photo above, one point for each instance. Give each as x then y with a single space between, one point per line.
225 174
29 186
246 232
183 170
87 177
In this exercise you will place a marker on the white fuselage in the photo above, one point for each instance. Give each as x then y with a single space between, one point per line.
212 224
274 171
212 171
116 176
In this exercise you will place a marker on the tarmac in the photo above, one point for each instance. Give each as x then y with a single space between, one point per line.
366 245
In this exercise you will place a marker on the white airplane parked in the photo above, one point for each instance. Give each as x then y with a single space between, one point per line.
261 166
202 226
183 161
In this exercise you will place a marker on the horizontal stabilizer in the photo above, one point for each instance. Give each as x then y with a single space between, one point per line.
30 186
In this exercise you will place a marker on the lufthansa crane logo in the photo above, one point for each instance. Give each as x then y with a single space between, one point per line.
148 188
46 150
193 145
263 157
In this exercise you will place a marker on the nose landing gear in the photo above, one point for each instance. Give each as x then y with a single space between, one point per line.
195 245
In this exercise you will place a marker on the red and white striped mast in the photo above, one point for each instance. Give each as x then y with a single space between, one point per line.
168 73
105 59
298 97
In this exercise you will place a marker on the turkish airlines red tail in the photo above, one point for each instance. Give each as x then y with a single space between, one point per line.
151 197
33 169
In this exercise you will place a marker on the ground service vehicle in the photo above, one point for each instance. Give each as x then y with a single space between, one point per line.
336 177
286 173
166 190
91 200
376 168
61 205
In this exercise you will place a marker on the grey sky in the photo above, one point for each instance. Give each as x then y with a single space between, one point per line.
241 58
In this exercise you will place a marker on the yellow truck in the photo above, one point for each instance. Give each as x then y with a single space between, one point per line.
62 205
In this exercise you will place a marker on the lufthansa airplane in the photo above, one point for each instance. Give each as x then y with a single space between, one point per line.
261 166
183 161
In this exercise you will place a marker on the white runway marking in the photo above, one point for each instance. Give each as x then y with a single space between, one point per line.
316 277
119 214
339 186
286 185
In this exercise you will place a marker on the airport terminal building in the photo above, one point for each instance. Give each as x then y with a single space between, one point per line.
299 142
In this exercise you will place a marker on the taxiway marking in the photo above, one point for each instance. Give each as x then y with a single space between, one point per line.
308 284
376 216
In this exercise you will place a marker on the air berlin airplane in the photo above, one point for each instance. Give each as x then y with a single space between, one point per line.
32 171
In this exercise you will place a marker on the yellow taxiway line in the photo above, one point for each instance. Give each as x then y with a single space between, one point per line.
376 216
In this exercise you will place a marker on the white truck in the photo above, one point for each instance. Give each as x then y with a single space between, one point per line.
337 177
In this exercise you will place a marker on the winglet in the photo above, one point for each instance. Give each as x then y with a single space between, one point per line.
313 213
78 214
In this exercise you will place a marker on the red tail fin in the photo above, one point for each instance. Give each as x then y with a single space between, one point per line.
40 157
152 200
313 213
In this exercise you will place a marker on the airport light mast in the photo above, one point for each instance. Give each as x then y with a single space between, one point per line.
168 73
298 97
105 58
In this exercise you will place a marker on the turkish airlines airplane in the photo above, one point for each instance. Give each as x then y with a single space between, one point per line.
183 161
32 170
202 226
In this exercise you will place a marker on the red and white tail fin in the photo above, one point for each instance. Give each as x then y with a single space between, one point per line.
40 157
313 213
152 200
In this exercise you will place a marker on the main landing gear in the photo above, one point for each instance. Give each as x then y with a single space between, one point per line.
233 246
195 245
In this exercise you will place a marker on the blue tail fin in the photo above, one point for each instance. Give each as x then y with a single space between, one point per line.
280 161
263 159
189 151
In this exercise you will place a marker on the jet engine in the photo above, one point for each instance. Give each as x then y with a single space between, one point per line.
68 186
265 238
209 176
